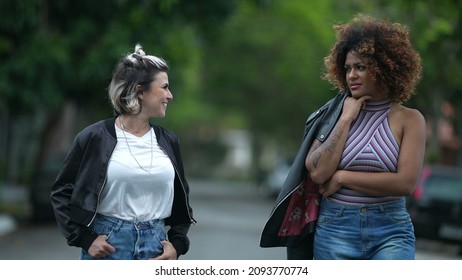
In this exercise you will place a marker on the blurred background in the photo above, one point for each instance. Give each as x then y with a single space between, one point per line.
245 75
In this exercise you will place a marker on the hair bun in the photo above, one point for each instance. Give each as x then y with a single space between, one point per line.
139 50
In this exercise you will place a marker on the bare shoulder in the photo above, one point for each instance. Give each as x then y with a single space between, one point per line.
406 115
413 116
406 121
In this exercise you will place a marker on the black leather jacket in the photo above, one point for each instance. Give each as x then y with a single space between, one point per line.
318 125
75 193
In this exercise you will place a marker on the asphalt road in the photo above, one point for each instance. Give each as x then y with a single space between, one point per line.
230 219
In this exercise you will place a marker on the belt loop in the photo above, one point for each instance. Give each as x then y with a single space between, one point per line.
118 224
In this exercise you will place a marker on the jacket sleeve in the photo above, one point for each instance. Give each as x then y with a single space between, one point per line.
177 235
176 149
61 196
178 231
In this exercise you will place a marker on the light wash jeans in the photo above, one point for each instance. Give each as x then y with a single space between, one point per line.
132 240
376 232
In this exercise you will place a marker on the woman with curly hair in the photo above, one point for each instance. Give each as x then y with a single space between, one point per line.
373 157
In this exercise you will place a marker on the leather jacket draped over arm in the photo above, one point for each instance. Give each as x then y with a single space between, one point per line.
318 126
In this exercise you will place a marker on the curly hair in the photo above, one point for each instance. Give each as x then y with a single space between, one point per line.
384 47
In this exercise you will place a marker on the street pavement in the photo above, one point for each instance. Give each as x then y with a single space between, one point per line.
230 217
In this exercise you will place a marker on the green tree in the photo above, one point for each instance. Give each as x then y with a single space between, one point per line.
435 29
267 70
60 54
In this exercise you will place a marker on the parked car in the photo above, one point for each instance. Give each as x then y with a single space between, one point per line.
436 204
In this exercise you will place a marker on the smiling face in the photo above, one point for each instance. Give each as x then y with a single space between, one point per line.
155 100
359 79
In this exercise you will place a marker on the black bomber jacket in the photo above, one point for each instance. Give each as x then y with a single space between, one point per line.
75 193
318 126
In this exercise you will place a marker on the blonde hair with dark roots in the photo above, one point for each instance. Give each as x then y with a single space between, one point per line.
384 47
135 69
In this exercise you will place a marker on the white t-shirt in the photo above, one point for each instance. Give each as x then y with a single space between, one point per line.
130 192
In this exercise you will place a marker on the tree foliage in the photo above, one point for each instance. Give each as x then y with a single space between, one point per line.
268 66
56 50
251 64
59 52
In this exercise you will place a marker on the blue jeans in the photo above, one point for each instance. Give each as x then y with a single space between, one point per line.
131 240
376 232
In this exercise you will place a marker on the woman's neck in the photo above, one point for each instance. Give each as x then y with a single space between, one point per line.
133 124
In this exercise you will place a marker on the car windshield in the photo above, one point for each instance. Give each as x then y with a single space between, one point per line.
443 187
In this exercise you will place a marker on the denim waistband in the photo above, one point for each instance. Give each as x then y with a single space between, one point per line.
379 206
121 224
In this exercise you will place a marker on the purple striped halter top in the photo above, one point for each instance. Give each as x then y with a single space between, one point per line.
370 147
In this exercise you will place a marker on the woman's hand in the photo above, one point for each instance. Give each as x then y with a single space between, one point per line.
330 186
169 252
323 157
100 248
352 106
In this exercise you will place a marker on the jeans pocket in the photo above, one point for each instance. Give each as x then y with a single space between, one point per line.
398 215
329 215
101 227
